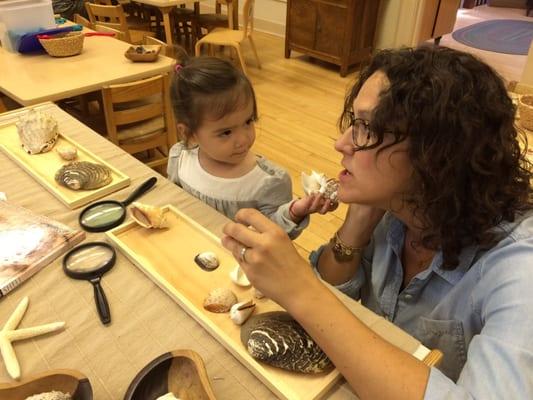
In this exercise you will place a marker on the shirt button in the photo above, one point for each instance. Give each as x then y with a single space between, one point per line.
408 296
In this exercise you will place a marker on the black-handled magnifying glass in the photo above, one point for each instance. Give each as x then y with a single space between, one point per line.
106 214
89 261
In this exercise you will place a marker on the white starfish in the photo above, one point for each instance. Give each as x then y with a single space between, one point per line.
9 334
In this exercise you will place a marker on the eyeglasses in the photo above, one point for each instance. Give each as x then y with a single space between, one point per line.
362 136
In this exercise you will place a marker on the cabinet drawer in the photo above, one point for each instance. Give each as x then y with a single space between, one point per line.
303 23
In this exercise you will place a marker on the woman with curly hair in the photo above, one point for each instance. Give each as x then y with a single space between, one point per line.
438 237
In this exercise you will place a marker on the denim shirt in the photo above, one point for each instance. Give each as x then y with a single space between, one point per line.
480 315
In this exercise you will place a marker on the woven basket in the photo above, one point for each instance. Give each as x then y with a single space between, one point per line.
64 45
525 106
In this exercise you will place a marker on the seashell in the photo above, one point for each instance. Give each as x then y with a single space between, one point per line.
66 152
318 183
258 294
277 339
207 260
37 131
238 277
240 312
148 216
78 175
168 396
220 300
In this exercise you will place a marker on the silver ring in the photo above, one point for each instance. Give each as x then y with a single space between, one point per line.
243 253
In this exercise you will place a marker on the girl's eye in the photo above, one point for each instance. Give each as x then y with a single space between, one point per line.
225 133
250 121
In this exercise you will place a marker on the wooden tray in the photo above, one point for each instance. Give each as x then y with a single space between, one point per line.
43 167
166 256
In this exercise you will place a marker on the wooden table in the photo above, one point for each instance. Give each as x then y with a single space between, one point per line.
32 79
145 321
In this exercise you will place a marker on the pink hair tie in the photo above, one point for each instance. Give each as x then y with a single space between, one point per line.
177 67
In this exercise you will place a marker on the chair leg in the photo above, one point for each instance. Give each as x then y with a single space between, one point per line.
198 49
241 59
255 52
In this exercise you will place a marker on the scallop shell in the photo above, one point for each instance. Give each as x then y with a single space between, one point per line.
148 216
66 152
37 131
238 277
277 339
207 260
240 312
220 300
85 175
318 183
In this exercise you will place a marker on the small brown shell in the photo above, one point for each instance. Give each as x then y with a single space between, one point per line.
66 152
79 175
148 216
220 300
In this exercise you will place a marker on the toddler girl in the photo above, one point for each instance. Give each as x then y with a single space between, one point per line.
215 108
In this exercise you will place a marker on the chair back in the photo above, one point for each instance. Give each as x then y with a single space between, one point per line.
118 34
110 16
139 118
81 20
248 17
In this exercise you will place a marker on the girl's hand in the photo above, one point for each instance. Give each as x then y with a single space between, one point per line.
310 204
270 260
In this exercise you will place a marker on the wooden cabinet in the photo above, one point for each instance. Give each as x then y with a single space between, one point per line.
337 31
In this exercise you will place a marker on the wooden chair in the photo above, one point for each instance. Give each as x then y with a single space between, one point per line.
114 17
185 23
139 119
233 38
118 34
81 20
211 21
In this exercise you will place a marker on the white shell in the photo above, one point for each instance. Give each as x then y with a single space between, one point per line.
220 300
37 131
240 312
148 216
238 277
319 183
168 396
66 152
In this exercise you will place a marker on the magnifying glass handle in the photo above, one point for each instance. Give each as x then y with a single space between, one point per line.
101 302
147 185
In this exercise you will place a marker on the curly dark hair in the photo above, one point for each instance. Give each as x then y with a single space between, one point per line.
470 173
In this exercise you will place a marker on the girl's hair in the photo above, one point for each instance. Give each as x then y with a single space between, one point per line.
208 87
469 171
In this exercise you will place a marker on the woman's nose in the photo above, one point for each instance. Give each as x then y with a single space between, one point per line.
344 143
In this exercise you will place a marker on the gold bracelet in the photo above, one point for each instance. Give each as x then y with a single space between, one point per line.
341 251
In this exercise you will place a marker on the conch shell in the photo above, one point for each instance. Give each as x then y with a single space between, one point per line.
148 216
78 175
240 312
37 131
318 183
220 300
66 152
238 277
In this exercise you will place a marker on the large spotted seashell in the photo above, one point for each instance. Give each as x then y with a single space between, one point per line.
79 175
37 131
318 183
148 216
220 300
277 339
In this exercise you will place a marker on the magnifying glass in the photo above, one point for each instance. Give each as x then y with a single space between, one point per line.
106 214
90 261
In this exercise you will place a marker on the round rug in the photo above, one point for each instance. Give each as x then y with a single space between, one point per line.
508 36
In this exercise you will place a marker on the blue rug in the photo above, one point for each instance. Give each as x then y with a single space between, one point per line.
508 36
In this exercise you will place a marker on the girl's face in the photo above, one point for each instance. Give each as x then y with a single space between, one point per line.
372 178
227 140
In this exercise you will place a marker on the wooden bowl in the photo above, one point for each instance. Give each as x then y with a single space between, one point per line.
181 372
62 380
143 53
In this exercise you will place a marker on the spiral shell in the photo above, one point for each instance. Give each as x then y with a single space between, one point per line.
240 312
79 175
318 183
38 131
148 216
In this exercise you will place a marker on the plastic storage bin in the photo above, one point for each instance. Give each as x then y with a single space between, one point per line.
21 16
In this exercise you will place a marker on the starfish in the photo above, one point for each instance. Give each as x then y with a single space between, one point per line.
9 334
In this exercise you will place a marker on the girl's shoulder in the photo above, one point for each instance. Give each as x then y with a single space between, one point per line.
178 148
272 170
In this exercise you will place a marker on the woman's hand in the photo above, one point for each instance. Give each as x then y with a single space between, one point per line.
270 261
313 203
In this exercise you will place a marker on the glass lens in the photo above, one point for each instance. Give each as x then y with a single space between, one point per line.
89 259
102 215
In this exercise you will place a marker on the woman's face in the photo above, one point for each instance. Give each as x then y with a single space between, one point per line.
370 177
